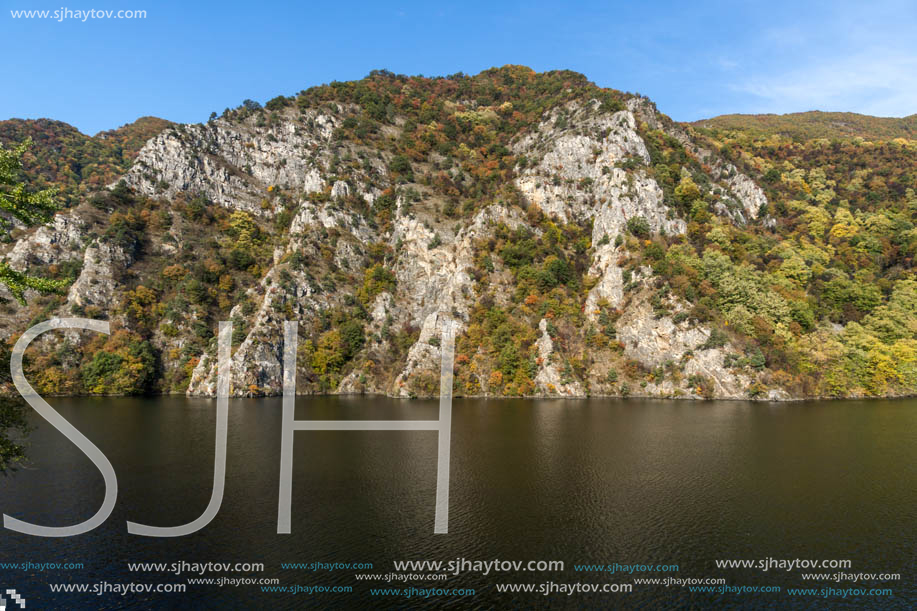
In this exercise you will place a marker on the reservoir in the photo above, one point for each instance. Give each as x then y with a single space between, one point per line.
586 482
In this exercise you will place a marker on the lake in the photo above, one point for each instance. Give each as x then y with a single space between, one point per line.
595 481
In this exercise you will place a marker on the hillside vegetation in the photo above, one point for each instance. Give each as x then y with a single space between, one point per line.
584 242
817 124
61 156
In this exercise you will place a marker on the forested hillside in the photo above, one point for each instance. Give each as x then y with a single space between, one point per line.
844 242
77 164
584 243
815 124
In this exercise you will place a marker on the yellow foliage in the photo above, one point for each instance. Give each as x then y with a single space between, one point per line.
174 272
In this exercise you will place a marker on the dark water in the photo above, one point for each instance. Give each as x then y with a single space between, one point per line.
586 482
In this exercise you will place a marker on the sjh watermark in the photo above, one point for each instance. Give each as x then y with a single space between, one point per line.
67 14
443 426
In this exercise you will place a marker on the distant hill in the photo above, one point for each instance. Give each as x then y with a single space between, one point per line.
817 124
64 157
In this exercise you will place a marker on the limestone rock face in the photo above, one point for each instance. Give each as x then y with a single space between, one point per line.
434 285
747 192
62 240
573 172
233 164
571 169
329 217
95 285
256 366
549 380
579 165
657 341
68 238
59 241
577 179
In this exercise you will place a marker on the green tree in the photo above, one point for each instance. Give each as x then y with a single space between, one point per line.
352 338
376 280
687 191
401 166
638 226
124 365
29 208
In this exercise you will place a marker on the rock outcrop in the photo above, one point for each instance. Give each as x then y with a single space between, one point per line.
233 164
580 165
95 285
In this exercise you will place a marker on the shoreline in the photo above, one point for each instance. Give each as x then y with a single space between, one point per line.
535 397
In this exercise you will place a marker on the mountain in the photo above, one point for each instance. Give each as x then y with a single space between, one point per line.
64 157
585 244
816 124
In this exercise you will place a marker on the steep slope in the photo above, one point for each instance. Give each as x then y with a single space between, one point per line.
582 241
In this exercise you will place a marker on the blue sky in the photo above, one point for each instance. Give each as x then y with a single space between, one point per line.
695 59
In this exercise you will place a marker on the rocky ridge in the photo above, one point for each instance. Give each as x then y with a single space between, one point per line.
583 165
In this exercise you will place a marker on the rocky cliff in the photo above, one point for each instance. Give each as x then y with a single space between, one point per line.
532 226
